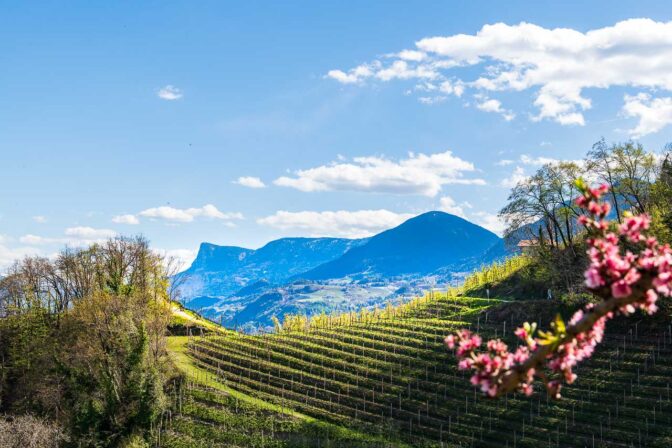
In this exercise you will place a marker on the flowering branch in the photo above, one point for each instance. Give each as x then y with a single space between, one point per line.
624 279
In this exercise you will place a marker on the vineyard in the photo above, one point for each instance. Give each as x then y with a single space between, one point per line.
385 379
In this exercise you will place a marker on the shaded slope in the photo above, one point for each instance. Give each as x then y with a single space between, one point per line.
393 377
420 245
207 413
221 271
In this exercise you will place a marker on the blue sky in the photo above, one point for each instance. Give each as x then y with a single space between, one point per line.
142 117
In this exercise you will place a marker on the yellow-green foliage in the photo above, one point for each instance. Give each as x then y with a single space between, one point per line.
301 323
486 275
495 272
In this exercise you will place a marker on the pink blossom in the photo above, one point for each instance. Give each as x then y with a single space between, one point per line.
634 280
650 303
593 278
620 289
553 388
521 333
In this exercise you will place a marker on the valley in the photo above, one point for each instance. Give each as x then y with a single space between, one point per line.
244 289
390 377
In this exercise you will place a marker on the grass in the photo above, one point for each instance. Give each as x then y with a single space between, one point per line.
182 317
384 379
305 431
393 378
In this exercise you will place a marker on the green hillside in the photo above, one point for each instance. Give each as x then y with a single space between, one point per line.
388 381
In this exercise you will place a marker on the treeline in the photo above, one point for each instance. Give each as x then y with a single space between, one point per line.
82 341
541 208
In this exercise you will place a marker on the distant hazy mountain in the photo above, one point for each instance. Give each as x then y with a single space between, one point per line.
420 245
223 270
245 287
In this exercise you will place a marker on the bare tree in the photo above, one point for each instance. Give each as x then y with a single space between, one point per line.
29 432
542 205
636 172
602 164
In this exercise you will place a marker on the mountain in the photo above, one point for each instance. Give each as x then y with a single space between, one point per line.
246 288
419 246
223 270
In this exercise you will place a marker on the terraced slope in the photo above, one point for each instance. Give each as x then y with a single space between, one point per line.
207 413
393 378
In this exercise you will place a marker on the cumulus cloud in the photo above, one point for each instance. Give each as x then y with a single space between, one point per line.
35 240
169 93
183 257
489 221
559 64
398 69
173 214
528 160
348 224
73 236
250 182
536 161
10 254
418 174
411 55
40 219
653 113
89 233
126 219
495 106
518 175
353 76
449 205
464 210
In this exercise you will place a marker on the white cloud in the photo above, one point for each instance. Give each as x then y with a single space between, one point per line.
453 87
559 63
489 221
40 219
353 76
412 55
541 160
89 233
73 236
401 69
169 93
483 219
126 219
536 161
35 240
653 113
418 174
432 99
533 161
250 182
495 106
349 224
449 205
188 214
184 257
10 254
518 175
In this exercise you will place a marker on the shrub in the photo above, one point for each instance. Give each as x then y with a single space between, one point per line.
27 431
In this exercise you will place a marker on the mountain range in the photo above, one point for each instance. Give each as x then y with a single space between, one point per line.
246 287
